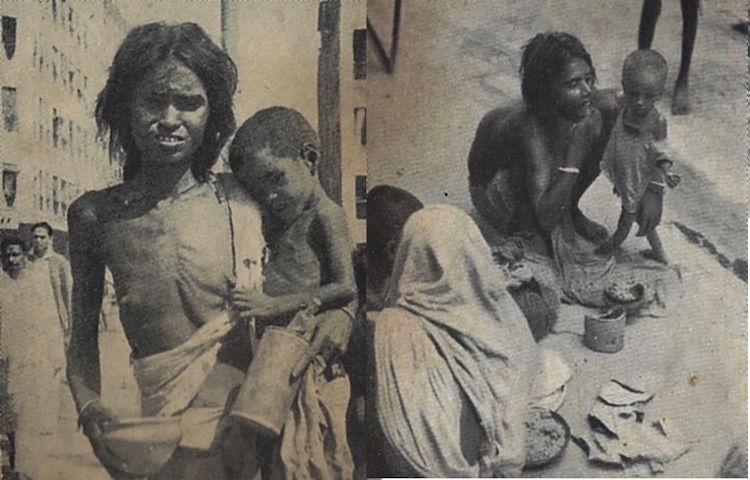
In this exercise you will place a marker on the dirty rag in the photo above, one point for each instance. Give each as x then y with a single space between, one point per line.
623 434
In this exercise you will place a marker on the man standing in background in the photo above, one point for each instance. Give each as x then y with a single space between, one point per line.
32 345
58 268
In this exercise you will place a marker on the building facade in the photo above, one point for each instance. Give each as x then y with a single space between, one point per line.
353 76
54 62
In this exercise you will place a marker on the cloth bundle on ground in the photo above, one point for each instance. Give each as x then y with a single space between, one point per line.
584 275
622 435
533 292
454 357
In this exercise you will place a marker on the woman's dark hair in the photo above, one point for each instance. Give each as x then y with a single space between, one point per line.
543 59
388 209
144 48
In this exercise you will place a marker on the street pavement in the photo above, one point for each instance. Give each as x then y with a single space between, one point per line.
73 458
459 59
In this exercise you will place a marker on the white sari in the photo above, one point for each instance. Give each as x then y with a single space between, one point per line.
454 356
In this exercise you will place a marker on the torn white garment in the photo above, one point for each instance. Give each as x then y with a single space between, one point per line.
168 381
314 442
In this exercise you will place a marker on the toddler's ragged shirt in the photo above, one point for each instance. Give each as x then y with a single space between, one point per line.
631 157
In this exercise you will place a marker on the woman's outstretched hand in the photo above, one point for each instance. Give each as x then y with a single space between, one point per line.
94 420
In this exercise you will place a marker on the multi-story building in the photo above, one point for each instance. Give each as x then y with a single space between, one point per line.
54 62
354 116
287 53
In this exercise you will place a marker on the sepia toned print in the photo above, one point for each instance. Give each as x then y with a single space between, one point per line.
207 273
495 117
207 320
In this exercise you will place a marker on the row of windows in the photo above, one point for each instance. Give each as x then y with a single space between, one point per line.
66 17
51 193
57 131
77 31
69 136
59 67
54 194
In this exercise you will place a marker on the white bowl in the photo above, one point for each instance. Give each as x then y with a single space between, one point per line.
143 444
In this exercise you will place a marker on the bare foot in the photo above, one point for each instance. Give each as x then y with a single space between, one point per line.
681 100
651 255
590 230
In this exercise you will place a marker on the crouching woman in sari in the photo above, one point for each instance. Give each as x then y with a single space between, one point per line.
454 358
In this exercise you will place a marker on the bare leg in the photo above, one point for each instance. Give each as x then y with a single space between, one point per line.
657 250
649 16
681 97
584 226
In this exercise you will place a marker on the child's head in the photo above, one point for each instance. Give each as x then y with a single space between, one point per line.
274 155
147 48
644 76
388 209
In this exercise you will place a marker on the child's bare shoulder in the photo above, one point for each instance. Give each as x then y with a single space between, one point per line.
331 218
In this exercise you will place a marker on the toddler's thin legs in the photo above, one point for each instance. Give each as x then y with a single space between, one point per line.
657 250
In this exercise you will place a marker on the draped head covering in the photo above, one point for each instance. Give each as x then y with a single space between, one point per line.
446 288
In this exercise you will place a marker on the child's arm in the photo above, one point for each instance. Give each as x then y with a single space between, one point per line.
329 236
624 224
662 160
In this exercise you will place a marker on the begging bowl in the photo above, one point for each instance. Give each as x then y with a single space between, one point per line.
630 296
547 437
143 444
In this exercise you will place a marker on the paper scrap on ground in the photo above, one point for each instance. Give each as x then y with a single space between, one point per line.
616 393
621 434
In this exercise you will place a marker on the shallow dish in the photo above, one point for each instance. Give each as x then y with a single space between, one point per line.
547 437
143 444
630 296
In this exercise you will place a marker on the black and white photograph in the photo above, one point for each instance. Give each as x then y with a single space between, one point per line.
184 188
557 238
536 268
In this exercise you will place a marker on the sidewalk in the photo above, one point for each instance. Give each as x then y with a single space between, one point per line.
74 459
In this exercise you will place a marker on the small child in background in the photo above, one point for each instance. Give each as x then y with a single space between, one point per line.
275 155
634 159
